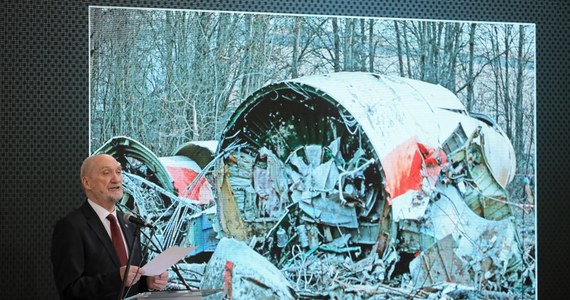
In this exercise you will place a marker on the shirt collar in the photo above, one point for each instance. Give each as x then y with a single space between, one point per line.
101 212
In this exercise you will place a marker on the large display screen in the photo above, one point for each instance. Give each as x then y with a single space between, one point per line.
354 156
340 149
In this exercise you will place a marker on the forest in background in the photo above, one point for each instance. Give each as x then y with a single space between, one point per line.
166 77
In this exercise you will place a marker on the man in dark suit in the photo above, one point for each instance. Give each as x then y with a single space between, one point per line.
85 261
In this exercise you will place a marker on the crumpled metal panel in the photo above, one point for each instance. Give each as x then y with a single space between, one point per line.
475 177
231 269
478 239
185 174
439 264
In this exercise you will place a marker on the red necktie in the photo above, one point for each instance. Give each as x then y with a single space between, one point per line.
118 240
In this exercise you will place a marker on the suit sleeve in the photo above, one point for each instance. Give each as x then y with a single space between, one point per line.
73 278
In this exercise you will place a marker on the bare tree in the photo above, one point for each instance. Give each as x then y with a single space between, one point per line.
362 46
399 43
296 41
470 75
519 84
505 82
349 45
336 45
371 45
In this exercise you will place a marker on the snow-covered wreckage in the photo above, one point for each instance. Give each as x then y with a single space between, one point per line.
351 181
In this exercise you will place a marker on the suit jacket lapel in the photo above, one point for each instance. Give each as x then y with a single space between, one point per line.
96 225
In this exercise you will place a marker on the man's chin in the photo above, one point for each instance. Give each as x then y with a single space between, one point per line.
116 199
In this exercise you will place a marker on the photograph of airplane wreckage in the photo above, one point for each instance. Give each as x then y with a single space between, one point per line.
347 185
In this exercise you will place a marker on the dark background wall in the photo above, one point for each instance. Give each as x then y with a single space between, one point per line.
44 117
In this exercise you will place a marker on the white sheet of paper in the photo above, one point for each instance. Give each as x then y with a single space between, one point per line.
165 260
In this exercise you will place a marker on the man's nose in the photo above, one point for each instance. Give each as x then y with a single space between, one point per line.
118 177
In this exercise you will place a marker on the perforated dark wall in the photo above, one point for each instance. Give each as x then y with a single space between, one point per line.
44 117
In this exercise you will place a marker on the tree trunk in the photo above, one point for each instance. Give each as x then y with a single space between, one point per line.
336 45
295 46
399 49
371 46
519 109
470 75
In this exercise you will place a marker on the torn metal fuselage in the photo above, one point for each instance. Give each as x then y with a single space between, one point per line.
359 164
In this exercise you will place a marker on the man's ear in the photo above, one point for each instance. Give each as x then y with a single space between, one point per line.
85 182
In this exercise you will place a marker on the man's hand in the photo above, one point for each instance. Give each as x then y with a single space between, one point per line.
133 276
157 282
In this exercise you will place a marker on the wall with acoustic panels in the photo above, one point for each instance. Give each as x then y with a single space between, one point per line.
44 117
